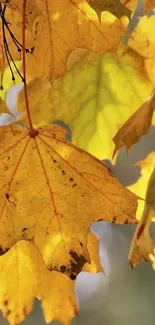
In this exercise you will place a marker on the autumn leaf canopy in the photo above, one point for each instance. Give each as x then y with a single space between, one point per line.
83 66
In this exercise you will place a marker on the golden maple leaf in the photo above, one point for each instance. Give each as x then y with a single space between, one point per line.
55 290
93 84
142 244
33 279
93 248
137 125
24 276
51 192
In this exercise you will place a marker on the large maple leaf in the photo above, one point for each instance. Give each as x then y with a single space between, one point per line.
50 194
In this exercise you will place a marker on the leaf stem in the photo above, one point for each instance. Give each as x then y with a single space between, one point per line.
24 69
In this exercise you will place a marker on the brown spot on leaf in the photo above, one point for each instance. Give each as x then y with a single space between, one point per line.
126 222
8 198
114 219
5 302
8 312
72 276
77 264
23 232
24 229
63 268
25 311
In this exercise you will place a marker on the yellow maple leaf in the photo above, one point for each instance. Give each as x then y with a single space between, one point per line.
143 42
140 187
64 26
93 247
114 6
94 84
136 126
142 244
24 276
55 290
51 192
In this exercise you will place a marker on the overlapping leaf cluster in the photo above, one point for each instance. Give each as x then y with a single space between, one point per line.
85 68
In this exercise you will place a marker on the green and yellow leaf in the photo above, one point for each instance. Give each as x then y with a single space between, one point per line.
95 97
